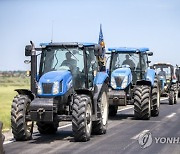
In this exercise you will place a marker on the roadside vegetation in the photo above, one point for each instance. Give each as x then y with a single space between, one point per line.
7 93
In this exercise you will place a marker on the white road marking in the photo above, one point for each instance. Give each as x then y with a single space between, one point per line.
171 115
10 141
162 99
125 108
65 126
136 136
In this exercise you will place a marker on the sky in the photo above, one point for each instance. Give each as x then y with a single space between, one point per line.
125 23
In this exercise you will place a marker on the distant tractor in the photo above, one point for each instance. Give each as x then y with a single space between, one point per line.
68 87
168 81
132 82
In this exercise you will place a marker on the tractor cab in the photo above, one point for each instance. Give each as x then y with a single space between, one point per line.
66 65
133 61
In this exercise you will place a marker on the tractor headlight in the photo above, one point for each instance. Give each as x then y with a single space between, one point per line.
125 82
39 89
56 88
113 82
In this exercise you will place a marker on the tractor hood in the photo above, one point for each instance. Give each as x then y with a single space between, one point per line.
121 78
55 83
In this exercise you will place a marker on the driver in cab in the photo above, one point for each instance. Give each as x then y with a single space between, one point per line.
71 63
129 62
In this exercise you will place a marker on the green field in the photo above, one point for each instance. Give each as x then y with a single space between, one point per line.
7 93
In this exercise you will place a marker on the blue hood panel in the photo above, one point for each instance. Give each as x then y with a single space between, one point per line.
64 78
54 76
119 76
121 72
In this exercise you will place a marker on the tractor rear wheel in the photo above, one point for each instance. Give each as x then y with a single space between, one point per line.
113 110
47 128
155 99
82 118
142 102
21 128
99 127
171 97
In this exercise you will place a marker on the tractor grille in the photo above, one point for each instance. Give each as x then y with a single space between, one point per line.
47 88
119 80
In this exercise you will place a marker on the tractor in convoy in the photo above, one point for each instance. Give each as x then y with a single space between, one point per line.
168 81
67 87
132 82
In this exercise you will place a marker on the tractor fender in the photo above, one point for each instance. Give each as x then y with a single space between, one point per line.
25 92
98 89
150 76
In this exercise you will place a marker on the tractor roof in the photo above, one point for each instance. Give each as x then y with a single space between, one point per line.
73 44
162 64
131 50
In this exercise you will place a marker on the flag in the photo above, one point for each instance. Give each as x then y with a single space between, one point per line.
102 58
101 38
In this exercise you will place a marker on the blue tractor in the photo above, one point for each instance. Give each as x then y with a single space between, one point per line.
68 87
132 82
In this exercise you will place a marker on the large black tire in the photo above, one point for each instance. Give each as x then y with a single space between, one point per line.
21 128
47 127
113 110
175 97
175 93
82 118
171 97
142 102
99 127
155 99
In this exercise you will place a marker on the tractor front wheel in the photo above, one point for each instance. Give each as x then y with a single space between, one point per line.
82 118
155 99
171 97
21 128
142 102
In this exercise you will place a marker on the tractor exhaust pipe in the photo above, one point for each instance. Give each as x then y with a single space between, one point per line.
33 69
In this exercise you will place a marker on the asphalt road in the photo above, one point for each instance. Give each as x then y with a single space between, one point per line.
122 136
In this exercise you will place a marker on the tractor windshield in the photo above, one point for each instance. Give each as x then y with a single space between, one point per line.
61 58
137 62
163 71
120 60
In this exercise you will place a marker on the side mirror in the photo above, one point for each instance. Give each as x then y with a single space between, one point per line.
150 53
148 62
27 61
28 50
